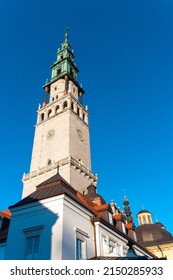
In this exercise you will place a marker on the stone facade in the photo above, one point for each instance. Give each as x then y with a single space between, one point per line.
61 134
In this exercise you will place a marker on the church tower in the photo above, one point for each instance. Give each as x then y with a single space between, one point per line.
62 138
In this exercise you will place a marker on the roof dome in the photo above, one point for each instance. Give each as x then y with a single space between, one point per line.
93 196
153 234
143 211
160 225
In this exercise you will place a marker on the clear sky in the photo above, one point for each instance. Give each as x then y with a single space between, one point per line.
124 50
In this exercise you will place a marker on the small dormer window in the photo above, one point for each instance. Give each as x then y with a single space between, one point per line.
123 228
110 218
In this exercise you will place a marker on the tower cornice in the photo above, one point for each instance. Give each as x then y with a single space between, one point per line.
52 169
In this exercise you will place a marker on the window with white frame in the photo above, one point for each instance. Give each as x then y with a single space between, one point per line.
81 245
32 248
80 249
108 246
32 245
119 249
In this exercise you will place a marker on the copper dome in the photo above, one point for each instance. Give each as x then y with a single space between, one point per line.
153 234
92 195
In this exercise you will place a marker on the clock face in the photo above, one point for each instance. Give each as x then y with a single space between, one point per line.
50 134
80 135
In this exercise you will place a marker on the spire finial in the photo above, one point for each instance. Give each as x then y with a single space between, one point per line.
66 34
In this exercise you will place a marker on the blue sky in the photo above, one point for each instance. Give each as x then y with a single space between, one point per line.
124 50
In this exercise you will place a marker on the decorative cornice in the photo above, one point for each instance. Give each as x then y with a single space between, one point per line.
69 160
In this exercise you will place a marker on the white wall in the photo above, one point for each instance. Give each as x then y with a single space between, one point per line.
49 215
76 220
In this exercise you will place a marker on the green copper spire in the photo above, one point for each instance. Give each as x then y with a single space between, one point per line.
65 68
64 65
127 210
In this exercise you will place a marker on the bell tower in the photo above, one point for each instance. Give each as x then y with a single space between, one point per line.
62 138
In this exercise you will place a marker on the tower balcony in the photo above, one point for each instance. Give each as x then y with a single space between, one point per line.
58 106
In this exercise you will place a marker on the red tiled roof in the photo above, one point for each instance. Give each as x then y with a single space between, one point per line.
87 202
5 216
6 213
101 207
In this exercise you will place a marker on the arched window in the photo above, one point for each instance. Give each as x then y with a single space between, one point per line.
59 71
140 221
65 104
49 112
83 116
42 117
144 219
78 111
149 219
49 162
56 109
